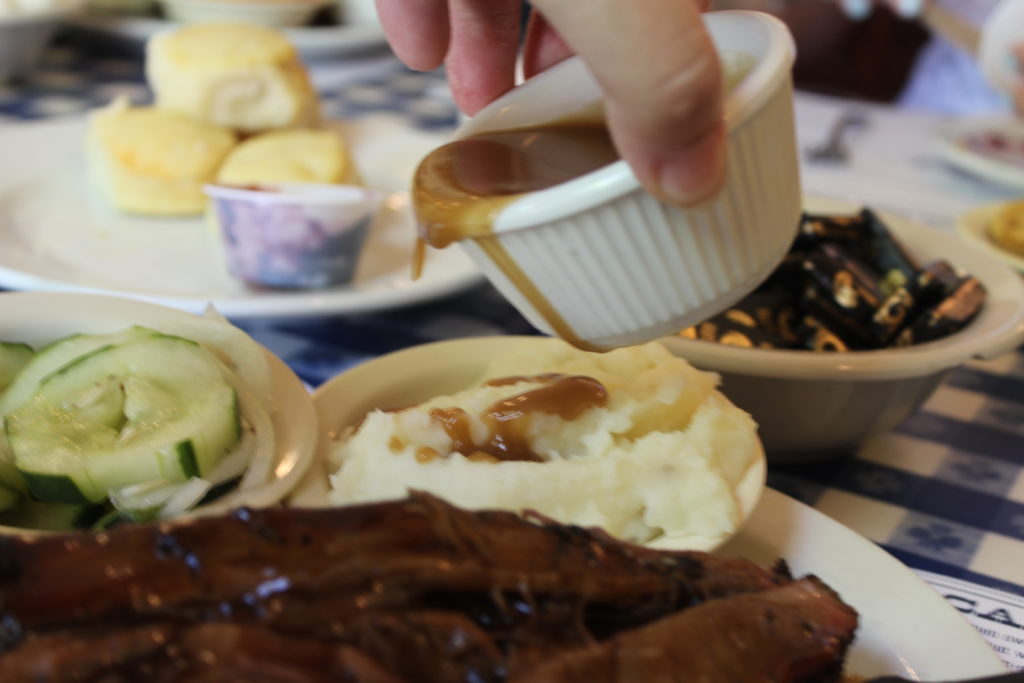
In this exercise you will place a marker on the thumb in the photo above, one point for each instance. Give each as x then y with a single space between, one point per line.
662 83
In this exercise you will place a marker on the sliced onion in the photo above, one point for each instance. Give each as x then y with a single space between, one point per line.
236 349
255 420
236 461
144 496
186 497
245 366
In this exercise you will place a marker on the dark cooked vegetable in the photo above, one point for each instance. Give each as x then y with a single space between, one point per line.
846 285
413 590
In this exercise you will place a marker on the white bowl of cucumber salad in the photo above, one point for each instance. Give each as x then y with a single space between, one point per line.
116 411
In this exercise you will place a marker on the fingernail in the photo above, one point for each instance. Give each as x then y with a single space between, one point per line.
856 9
695 174
908 9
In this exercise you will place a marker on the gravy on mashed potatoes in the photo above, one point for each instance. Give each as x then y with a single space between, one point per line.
635 441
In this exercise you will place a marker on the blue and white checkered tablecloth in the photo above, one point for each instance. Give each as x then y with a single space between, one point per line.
943 492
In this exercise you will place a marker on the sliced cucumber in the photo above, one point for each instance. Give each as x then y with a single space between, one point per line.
9 498
9 475
150 406
32 514
220 490
116 518
13 357
56 355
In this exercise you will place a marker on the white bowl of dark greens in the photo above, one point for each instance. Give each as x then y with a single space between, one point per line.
858 332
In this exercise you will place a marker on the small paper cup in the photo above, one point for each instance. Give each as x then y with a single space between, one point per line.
294 236
599 261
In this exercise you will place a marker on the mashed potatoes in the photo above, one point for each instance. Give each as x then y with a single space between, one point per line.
656 459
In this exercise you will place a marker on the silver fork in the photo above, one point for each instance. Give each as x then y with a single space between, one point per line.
833 149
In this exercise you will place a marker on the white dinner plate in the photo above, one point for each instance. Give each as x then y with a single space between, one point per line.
959 147
973 226
312 42
57 234
906 627
37 318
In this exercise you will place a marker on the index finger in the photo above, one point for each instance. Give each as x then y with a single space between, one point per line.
417 30
662 83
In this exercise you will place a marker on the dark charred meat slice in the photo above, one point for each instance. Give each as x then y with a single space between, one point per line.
177 652
434 646
415 590
798 632
238 567
81 656
392 648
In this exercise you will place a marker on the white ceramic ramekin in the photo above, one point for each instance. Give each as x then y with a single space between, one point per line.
813 405
616 266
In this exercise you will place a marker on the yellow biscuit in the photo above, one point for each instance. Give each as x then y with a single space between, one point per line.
151 161
289 156
1007 228
239 76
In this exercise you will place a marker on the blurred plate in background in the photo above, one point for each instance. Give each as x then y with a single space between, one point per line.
991 149
312 42
59 235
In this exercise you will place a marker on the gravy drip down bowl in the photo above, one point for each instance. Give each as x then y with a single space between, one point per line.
600 262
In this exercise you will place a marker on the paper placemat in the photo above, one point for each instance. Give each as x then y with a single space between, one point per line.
997 615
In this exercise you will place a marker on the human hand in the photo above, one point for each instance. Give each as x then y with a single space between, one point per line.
656 64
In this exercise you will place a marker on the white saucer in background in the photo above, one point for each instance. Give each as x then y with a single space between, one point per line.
958 147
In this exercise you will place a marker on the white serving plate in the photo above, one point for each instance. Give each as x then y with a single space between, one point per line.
59 235
973 226
37 318
312 42
906 628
